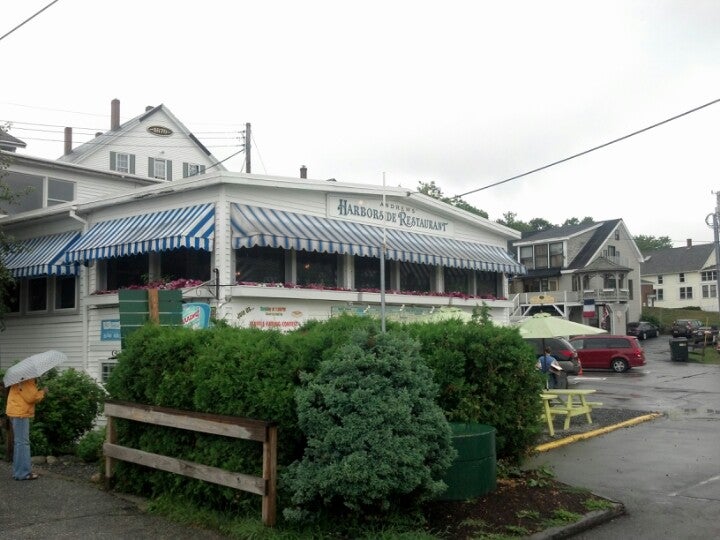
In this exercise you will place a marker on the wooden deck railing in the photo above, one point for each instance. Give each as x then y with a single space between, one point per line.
229 426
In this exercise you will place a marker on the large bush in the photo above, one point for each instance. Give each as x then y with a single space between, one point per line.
377 440
486 374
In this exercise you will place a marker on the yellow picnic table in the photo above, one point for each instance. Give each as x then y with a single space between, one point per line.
574 403
547 414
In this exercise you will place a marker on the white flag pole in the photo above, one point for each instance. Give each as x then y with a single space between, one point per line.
382 262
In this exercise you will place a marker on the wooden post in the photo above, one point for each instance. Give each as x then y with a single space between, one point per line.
110 438
154 305
269 504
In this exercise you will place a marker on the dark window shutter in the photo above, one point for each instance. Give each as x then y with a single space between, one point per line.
202 169
168 170
132 163
113 161
151 167
185 170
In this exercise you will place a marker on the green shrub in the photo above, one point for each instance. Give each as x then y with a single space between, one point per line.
486 374
377 441
90 446
67 412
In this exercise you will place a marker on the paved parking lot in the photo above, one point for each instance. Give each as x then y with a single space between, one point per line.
667 471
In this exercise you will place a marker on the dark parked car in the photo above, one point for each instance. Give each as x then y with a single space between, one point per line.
685 327
604 351
642 330
561 349
706 334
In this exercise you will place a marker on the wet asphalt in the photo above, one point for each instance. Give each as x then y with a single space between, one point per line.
666 471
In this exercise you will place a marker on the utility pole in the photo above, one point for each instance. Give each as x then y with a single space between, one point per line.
248 138
716 238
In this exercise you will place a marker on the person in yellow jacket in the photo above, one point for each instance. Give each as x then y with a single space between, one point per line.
20 408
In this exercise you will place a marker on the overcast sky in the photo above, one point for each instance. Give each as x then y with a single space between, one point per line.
465 93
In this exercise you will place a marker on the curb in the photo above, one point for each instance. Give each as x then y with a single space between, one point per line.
601 431
588 521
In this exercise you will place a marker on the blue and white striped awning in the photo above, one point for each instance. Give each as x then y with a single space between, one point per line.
190 227
255 226
42 256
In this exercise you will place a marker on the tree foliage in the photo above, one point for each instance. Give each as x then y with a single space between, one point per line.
432 190
6 243
647 243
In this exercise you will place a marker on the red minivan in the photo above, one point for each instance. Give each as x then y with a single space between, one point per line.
604 351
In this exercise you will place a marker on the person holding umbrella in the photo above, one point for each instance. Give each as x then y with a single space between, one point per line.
22 396
20 408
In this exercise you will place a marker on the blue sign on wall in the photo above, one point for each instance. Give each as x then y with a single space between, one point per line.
110 330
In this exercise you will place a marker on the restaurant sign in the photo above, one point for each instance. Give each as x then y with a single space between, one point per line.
390 213
161 131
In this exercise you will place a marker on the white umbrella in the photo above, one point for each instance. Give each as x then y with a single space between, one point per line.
33 366
544 325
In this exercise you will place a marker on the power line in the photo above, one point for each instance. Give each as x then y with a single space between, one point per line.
16 125
252 137
591 149
27 20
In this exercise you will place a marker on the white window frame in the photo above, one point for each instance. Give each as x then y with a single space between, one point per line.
681 277
709 291
708 275
122 156
193 169
160 168
660 280
686 293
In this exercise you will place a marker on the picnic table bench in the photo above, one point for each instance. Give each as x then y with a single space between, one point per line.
573 402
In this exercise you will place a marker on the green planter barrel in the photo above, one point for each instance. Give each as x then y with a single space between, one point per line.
474 471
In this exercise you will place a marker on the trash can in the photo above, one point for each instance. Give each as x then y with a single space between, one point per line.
473 473
679 349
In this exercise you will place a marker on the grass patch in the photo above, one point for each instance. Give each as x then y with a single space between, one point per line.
561 517
598 504
706 355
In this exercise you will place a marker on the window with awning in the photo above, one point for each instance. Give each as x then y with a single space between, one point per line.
191 227
42 256
268 227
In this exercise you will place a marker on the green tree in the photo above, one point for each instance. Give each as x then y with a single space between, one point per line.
587 220
432 190
650 243
6 243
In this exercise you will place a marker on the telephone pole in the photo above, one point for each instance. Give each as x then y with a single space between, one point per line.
248 138
716 239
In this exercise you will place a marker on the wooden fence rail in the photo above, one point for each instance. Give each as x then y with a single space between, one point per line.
229 426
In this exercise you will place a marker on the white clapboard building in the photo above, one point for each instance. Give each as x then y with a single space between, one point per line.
262 251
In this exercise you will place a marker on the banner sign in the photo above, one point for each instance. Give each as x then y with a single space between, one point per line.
110 330
196 315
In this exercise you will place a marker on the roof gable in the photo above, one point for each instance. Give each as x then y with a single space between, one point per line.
82 152
677 260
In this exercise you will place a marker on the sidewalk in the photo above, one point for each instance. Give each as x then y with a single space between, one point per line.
56 507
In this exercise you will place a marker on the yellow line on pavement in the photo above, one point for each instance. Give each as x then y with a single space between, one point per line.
607 429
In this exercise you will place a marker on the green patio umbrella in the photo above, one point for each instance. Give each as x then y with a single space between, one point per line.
544 325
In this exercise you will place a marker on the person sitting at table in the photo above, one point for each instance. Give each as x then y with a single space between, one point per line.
549 365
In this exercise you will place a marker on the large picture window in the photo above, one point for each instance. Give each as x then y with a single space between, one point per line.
367 273
317 269
457 279
526 257
556 255
260 264
541 256
184 263
415 277
487 283
122 272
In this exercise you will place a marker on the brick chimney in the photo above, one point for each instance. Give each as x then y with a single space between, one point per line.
115 114
303 172
68 140
689 242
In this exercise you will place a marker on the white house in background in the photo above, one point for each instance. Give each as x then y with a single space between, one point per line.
154 144
264 251
588 273
682 277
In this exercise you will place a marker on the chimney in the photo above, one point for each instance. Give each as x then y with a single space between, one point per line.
98 133
115 114
689 242
149 108
303 172
68 140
